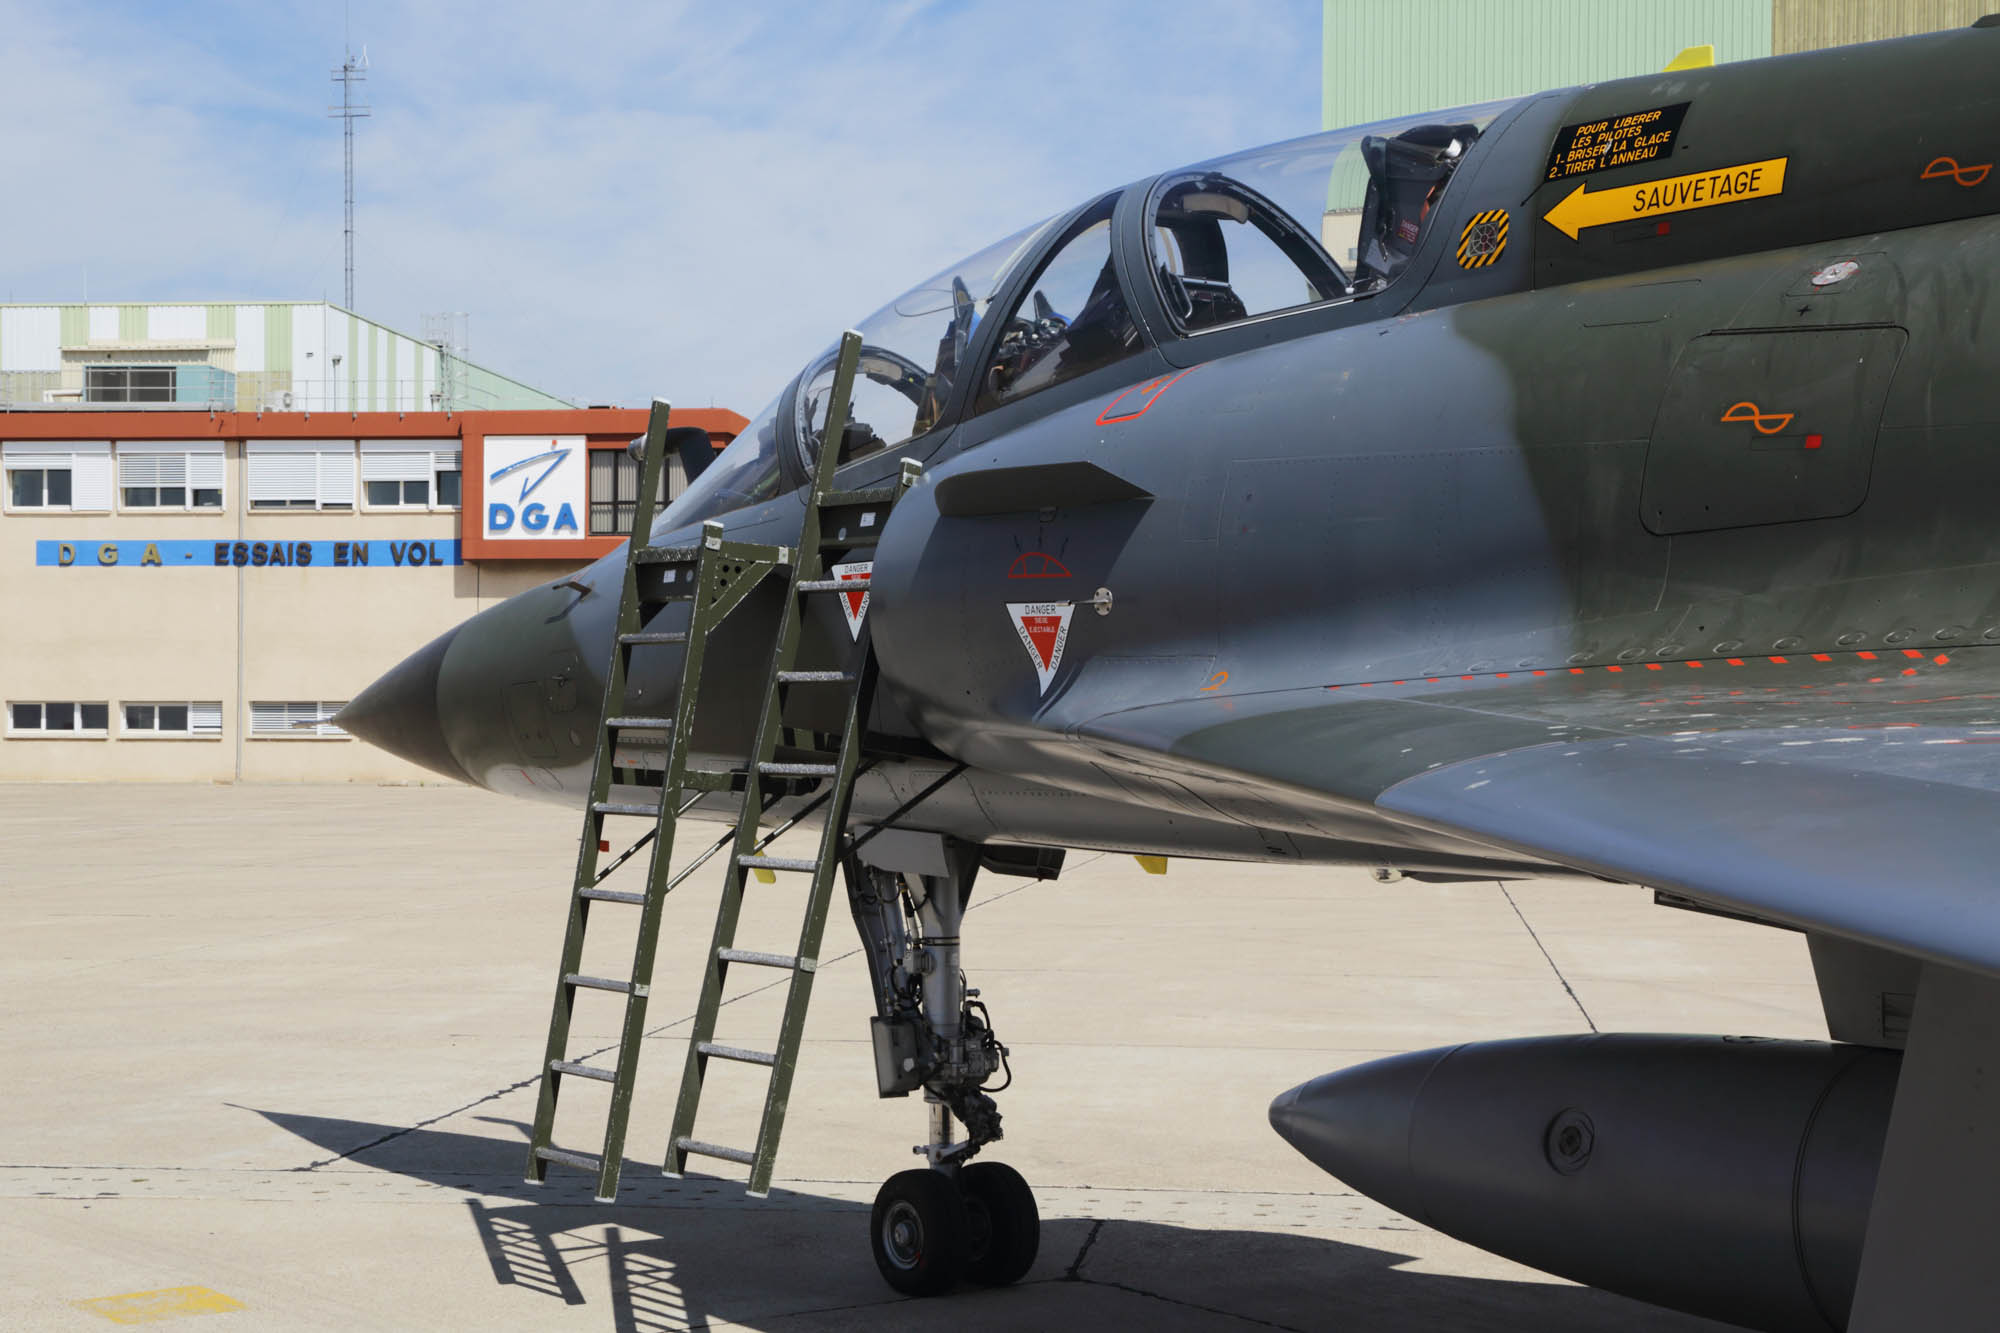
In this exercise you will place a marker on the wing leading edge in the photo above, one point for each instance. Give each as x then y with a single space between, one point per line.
1852 793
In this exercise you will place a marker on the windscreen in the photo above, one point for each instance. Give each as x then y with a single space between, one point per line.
912 349
743 474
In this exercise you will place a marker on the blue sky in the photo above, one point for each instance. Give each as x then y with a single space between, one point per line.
681 199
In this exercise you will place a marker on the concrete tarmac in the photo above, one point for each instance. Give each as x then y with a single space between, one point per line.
270 1052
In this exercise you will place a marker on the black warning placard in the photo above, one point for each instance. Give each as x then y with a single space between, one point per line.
1598 145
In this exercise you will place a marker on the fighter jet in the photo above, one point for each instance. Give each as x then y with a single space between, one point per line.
1603 483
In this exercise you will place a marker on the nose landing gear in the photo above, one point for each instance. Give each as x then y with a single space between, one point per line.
955 1219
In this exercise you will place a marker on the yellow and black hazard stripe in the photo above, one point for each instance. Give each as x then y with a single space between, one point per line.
1484 239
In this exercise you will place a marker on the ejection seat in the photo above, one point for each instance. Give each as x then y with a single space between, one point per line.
1406 176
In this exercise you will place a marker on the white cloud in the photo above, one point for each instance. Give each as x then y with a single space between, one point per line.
678 199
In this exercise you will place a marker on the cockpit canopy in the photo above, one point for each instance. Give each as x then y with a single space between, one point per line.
1326 218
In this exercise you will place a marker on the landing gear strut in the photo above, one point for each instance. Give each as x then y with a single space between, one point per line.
955 1218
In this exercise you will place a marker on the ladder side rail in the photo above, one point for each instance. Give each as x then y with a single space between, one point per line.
563 1009
735 876
807 566
833 839
777 1098
703 617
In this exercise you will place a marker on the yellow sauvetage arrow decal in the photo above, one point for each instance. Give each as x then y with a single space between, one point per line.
1584 207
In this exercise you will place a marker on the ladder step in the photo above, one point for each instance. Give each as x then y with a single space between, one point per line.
584 1071
615 808
587 1161
800 770
651 636
777 863
874 495
666 555
834 585
748 1057
716 1150
815 678
606 983
640 723
612 896
784 960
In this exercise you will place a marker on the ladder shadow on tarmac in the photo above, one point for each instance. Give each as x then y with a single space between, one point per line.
695 1252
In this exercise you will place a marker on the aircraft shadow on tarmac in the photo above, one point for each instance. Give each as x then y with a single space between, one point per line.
692 1252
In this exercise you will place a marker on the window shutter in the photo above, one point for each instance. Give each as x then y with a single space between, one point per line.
327 710
397 464
138 469
267 719
281 471
205 467
90 478
206 719
336 476
448 458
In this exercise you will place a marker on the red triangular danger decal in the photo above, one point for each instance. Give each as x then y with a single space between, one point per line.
854 604
1044 630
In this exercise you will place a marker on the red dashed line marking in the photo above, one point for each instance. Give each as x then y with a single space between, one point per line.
1914 654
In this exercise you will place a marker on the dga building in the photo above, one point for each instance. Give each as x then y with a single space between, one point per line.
218 521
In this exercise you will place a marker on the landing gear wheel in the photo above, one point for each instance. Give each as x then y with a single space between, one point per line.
1006 1225
918 1231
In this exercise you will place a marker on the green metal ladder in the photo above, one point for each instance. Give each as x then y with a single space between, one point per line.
717 575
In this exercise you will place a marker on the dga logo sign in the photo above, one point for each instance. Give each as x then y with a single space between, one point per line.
534 486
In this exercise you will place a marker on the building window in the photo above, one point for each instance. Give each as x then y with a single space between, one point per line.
301 474
128 384
614 490
58 719
199 721
410 474
70 477
170 476
295 721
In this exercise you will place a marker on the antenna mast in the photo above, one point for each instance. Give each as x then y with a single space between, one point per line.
351 72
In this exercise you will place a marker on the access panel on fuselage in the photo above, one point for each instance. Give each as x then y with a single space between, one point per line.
1763 428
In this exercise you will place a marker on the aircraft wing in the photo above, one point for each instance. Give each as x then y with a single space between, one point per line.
1853 793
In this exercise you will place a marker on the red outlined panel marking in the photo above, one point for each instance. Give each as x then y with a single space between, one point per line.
1037 565
1147 394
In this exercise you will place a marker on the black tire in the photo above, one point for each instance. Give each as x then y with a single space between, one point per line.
918 1232
1006 1227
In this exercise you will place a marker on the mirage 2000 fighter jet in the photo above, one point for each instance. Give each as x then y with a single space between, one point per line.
1603 483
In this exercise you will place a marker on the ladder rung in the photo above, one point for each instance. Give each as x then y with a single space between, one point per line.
612 896
783 960
651 636
716 1150
874 495
605 983
666 555
815 677
748 1057
587 1161
800 770
615 808
584 1071
834 585
777 863
640 723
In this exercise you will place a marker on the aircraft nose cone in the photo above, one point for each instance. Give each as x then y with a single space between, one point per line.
400 712
1356 1124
